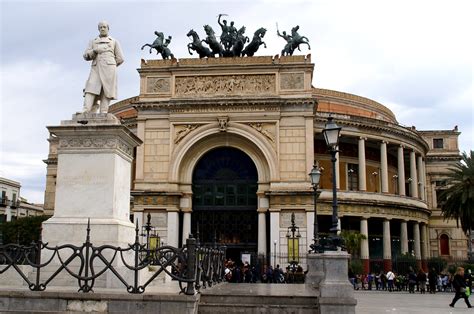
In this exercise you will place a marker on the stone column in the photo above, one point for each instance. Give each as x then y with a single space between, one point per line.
423 168
263 205
185 204
424 252
274 236
403 237
416 239
421 179
433 195
338 180
384 166
387 246
401 172
362 170
139 161
186 226
262 234
413 175
172 233
364 245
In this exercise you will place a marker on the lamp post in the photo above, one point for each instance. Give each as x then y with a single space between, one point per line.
293 234
148 228
315 176
331 135
274 253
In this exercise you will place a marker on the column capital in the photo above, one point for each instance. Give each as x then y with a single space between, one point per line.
402 146
362 138
384 142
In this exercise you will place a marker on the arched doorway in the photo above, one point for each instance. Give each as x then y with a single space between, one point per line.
225 201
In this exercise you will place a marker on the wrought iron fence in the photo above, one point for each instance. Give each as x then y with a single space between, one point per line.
191 265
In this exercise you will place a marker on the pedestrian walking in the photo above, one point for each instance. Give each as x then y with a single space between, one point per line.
459 285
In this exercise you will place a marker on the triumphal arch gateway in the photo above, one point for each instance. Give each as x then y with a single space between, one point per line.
228 147
228 144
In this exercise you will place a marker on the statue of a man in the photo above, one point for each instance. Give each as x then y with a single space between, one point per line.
106 55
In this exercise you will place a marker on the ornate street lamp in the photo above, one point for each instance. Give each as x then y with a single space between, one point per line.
148 231
293 235
315 176
331 135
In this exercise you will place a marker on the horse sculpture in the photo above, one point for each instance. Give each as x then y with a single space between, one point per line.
253 46
213 43
161 46
240 41
297 39
197 46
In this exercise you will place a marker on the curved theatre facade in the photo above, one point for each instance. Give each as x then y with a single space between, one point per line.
228 145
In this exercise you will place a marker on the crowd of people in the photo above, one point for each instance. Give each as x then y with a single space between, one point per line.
432 282
237 272
420 281
461 282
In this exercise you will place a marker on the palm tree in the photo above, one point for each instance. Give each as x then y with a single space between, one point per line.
459 197
352 241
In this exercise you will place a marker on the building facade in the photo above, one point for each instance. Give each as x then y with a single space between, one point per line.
12 205
228 145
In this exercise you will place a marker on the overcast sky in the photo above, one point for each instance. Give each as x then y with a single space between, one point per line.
414 57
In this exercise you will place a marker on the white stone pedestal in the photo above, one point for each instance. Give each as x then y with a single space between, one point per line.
93 182
327 272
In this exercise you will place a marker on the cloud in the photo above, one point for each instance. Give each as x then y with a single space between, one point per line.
414 57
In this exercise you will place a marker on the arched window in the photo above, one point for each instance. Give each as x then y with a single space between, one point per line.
444 244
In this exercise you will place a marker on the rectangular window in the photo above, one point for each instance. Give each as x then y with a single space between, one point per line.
441 199
437 143
352 177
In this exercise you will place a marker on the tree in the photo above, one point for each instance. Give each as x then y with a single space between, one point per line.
352 241
22 231
459 197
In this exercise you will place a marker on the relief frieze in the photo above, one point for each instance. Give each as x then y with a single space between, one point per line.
158 85
223 85
292 80
104 143
264 129
183 130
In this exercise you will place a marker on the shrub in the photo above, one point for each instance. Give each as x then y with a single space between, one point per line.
22 231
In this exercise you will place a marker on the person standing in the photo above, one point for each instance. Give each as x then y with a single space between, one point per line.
106 55
459 285
432 280
421 278
411 280
390 278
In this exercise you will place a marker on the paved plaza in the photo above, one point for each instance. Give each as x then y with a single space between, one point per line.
378 302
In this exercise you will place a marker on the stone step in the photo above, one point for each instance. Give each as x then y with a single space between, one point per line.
257 309
259 298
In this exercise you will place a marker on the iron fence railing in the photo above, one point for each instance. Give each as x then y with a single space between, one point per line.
191 265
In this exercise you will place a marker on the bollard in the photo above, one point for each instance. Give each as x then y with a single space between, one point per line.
191 273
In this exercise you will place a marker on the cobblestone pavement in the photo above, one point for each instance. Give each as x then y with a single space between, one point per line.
378 302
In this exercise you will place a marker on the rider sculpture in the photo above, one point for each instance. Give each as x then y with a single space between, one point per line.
293 41
161 45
